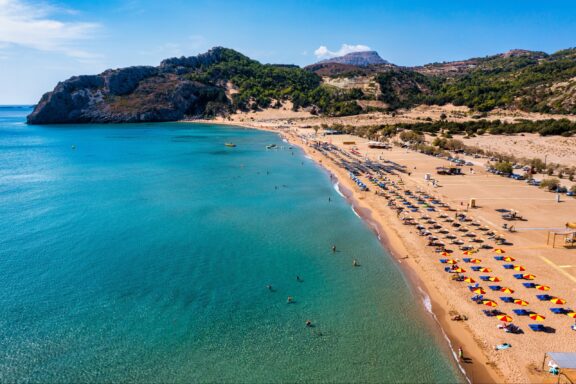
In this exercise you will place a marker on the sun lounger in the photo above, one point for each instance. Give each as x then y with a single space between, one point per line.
508 266
518 276
521 312
543 297
529 285
512 328
536 327
560 311
491 312
495 287
507 299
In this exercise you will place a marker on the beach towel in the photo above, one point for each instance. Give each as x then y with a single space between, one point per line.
502 347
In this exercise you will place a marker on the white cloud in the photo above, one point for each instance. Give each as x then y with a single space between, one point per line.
324 53
33 26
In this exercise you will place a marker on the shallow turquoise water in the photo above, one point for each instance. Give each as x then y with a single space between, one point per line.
143 255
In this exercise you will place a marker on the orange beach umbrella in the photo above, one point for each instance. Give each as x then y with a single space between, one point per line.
557 300
494 279
506 290
444 254
572 314
505 318
519 268
459 270
542 287
528 276
537 317
469 280
467 253
475 261
509 259
520 302
484 269
490 303
479 291
499 250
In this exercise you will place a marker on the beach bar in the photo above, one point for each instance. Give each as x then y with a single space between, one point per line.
561 361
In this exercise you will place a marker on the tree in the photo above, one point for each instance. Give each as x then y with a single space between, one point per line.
412 137
443 116
504 167
550 184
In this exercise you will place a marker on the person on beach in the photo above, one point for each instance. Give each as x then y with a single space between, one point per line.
460 353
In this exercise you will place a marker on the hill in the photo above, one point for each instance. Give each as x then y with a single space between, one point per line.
223 82
357 59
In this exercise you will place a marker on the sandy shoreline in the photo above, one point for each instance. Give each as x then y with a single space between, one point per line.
391 239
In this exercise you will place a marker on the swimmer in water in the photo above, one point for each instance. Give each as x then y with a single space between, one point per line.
355 263
308 323
333 249
269 287
290 300
299 279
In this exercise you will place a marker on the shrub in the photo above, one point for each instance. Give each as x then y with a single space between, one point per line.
550 184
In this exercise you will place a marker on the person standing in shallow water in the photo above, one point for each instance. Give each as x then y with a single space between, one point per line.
333 249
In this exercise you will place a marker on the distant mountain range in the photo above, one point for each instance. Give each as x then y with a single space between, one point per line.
223 81
359 59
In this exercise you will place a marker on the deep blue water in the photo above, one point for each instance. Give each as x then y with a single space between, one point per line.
141 253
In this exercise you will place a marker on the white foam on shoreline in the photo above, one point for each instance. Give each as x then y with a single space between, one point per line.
427 302
356 213
337 189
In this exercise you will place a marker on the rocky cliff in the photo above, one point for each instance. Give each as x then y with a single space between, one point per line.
133 94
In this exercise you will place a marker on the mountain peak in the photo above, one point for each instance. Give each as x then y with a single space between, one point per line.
358 59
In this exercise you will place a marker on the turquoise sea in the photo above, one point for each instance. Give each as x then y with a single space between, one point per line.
142 253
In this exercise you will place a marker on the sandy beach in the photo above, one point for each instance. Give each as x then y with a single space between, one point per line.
479 334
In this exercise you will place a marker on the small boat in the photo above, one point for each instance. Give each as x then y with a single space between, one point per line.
271 146
232 145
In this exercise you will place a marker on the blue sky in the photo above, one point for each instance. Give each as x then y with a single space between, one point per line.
42 42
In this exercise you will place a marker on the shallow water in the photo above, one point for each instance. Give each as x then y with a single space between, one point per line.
141 253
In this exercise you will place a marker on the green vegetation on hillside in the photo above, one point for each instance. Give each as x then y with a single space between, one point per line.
258 85
524 82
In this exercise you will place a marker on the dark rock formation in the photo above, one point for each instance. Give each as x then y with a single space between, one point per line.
134 94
